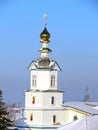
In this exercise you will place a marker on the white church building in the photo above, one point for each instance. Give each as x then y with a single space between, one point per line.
43 101
44 108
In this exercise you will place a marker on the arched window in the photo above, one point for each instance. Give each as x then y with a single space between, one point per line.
75 118
34 80
52 100
33 100
54 119
52 81
31 117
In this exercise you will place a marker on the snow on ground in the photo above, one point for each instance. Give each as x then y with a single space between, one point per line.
85 123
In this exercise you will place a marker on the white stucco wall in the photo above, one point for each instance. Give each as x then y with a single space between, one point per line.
45 116
43 111
43 99
43 79
37 117
72 113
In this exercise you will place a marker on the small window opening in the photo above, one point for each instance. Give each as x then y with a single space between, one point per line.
52 100
52 81
54 119
75 118
33 100
31 117
34 81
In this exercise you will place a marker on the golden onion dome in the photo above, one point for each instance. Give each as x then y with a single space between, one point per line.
45 35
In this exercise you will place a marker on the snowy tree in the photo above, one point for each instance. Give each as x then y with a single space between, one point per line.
4 122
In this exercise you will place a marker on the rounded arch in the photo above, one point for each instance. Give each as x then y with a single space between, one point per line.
52 100
75 118
31 117
54 119
52 81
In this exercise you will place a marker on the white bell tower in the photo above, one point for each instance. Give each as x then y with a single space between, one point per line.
44 71
43 101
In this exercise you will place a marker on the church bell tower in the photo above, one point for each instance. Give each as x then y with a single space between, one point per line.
44 70
43 101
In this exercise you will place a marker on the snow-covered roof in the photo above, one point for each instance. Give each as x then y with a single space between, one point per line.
88 107
85 123
45 63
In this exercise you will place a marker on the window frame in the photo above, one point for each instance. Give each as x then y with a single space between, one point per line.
75 118
34 81
52 100
53 79
33 99
31 117
54 119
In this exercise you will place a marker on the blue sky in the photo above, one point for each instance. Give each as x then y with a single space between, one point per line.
73 25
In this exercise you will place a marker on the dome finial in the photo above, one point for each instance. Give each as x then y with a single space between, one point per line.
45 17
45 35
